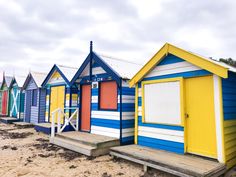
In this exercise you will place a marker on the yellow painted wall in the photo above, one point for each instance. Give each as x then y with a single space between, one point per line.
230 142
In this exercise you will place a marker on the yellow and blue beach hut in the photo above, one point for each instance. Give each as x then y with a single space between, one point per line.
186 103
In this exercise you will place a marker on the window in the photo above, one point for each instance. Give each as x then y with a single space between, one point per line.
162 103
108 95
34 97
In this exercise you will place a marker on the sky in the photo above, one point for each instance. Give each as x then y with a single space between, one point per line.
35 34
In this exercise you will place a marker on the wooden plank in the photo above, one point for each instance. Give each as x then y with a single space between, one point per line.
170 162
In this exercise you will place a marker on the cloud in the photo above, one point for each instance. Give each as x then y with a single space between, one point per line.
36 34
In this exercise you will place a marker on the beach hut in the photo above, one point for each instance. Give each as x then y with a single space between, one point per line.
17 97
5 95
59 94
35 98
105 101
186 103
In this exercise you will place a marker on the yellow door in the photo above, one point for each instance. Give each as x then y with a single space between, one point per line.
57 98
200 121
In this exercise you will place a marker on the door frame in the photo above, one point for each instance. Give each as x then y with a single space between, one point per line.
49 110
80 106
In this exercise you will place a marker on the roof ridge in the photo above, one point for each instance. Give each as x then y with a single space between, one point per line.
66 66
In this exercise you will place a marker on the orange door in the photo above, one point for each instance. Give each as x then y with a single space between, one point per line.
4 102
85 107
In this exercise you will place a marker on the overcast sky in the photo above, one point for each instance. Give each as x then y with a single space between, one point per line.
35 34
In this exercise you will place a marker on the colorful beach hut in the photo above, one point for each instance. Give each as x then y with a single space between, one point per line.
5 95
17 97
186 103
105 101
35 98
59 93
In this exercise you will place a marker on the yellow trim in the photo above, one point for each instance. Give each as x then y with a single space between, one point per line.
222 120
188 56
180 79
136 116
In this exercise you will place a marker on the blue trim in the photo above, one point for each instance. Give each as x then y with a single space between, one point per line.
169 127
54 68
106 123
107 68
183 74
170 59
161 144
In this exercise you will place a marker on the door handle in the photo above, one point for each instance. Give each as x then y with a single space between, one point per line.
186 115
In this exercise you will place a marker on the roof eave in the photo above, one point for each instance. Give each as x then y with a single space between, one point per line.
192 58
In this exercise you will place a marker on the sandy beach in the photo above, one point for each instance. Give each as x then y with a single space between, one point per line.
24 152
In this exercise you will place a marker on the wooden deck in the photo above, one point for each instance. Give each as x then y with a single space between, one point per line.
23 124
176 164
85 143
9 120
44 127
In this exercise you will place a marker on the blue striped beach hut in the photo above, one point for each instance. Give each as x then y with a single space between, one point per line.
105 101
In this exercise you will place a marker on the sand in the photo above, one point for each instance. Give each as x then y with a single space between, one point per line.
26 153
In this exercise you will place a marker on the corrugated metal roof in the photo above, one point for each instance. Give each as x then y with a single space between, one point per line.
68 71
38 77
123 68
8 80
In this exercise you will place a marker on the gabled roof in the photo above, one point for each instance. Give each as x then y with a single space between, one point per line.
118 68
210 65
37 77
19 80
66 72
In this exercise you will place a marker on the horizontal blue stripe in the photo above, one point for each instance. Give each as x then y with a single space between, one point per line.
127 140
106 123
170 59
128 123
112 123
126 107
161 144
183 74
169 127
95 92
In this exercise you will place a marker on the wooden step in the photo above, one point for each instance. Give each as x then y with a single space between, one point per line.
97 141
79 147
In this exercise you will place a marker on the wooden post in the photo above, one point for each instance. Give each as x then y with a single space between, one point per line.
53 126
59 121
77 119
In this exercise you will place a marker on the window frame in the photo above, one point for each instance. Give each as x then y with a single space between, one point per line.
180 79
34 99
